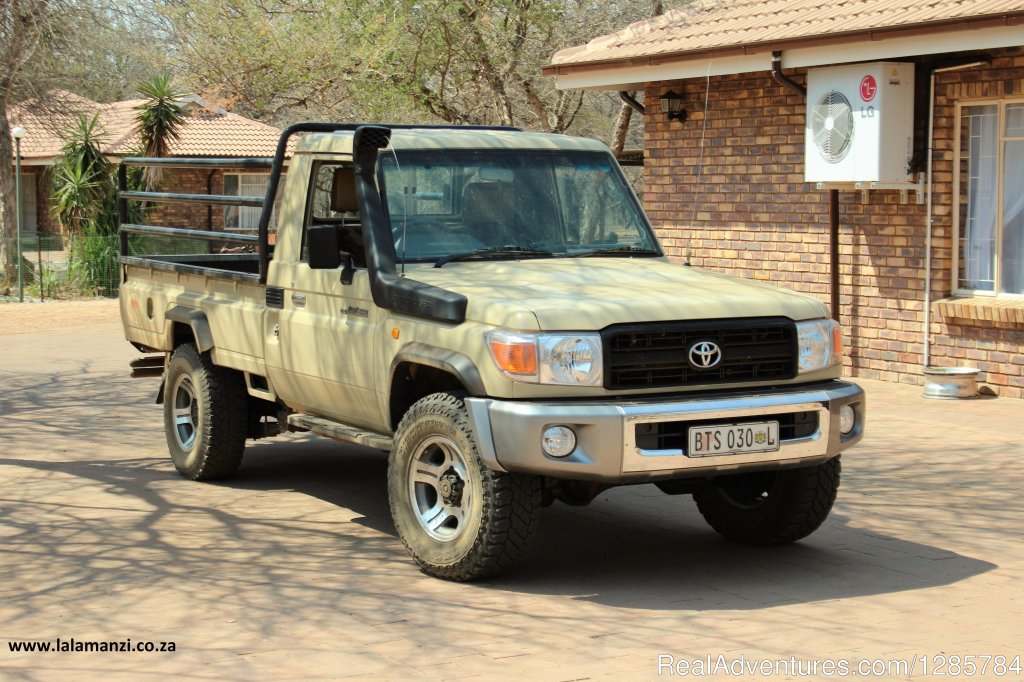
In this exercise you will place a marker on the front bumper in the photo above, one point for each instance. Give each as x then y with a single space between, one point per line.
509 432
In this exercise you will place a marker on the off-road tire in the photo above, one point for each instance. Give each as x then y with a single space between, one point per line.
502 510
205 415
772 507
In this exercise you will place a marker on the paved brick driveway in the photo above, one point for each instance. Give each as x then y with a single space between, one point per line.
292 569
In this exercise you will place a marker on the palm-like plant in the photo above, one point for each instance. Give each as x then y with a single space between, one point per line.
81 176
77 196
160 119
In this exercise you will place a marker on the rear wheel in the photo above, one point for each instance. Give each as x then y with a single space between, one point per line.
770 507
205 415
459 519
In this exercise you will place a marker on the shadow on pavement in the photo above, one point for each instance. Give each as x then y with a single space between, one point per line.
636 547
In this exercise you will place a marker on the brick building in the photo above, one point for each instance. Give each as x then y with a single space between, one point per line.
207 131
727 188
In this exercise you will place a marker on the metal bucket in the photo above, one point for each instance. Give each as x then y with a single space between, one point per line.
950 382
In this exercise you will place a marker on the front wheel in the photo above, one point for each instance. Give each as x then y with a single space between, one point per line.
459 519
770 507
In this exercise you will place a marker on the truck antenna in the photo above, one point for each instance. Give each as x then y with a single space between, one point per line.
405 210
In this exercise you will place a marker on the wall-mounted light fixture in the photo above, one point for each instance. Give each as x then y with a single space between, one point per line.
672 106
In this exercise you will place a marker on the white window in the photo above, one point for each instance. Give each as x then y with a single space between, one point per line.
989 191
247 218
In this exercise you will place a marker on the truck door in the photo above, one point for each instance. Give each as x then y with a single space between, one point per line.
327 330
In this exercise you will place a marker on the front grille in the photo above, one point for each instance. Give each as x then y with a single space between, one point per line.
655 355
675 435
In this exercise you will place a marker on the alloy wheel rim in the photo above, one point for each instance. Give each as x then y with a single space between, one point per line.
186 412
439 490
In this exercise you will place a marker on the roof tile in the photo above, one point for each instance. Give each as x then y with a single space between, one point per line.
709 25
204 133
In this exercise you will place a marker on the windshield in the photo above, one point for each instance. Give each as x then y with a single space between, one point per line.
449 205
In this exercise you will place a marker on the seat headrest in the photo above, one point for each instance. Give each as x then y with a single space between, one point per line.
487 202
343 191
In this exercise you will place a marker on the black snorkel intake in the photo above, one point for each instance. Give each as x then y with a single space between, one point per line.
391 291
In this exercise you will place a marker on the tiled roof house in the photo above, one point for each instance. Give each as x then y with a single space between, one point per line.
928 269
208 131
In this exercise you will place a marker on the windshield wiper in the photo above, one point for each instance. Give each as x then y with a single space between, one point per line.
491 251
617 251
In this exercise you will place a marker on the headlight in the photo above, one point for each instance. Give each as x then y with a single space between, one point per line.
821 345
562 359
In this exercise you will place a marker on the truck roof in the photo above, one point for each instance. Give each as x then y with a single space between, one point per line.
453 138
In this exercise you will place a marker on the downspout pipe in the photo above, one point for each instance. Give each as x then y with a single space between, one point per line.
782 79
631 101
927 341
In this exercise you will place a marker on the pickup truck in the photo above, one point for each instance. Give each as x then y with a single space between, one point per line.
492 309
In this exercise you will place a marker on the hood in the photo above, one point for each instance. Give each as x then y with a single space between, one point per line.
591 293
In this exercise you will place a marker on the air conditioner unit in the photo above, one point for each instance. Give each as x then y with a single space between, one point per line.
860 123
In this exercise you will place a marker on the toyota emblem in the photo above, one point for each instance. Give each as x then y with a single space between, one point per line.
705 355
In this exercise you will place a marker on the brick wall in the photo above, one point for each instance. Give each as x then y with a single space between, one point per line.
190 181
751 214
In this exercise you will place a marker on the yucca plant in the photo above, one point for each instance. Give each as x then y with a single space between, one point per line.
81 176
160 120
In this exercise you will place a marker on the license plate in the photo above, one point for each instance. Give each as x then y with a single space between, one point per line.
733 439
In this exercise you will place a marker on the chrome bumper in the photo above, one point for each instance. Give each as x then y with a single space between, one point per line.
509 433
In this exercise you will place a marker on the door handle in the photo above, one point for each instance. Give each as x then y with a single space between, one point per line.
299 300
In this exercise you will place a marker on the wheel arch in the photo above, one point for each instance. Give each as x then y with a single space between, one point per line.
185 319
420 369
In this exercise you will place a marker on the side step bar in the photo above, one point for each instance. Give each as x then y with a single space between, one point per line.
148 366
336 431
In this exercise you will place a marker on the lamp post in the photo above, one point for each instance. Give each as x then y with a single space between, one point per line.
17 134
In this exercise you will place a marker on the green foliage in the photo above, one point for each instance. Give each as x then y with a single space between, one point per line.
85 199
160 119
81 176
160 116
462 61
93 262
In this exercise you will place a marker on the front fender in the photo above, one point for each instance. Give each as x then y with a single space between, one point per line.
453 362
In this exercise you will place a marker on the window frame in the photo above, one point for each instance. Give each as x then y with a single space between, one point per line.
1001 105
277 200
307 214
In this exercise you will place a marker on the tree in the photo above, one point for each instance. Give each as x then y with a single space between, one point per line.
81 178
24 25
160 119
462 61
94 47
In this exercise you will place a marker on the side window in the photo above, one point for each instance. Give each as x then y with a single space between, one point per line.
332 201
247 218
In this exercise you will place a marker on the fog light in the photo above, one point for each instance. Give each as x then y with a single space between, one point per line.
847 419
558 441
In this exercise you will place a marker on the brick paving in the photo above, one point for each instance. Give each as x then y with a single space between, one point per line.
292 570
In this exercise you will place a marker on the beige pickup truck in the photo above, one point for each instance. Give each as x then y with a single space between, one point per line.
491 308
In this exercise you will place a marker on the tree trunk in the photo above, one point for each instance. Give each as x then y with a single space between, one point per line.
622 128
8 217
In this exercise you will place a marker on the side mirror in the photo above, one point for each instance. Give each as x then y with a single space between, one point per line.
322 245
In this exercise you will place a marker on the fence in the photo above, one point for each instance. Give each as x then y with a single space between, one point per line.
45 270
85 266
